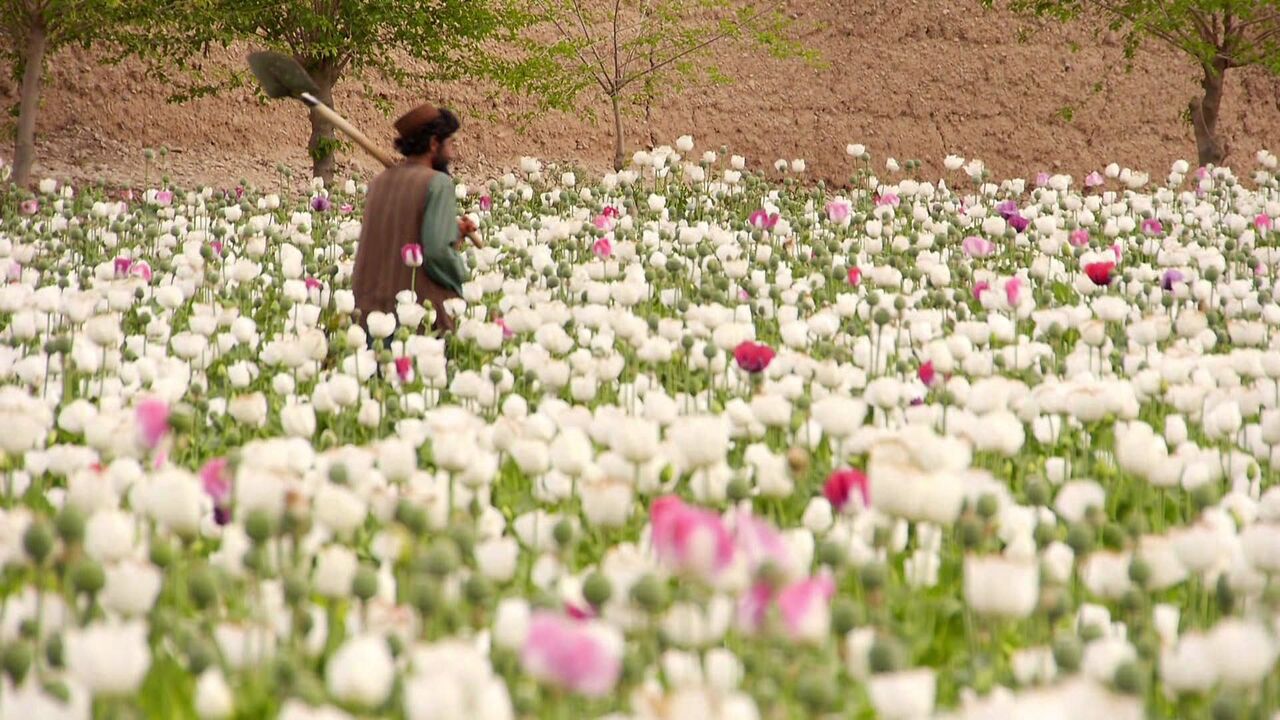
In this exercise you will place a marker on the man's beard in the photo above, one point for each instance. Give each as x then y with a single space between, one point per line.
440 165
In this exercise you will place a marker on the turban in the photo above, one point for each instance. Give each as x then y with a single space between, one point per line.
416 119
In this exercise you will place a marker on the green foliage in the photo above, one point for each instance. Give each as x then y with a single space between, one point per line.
445 40
65 22
1218 34
616 45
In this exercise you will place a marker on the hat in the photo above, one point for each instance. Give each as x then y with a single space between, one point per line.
416 119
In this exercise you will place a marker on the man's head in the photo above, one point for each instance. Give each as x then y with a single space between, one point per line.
426 133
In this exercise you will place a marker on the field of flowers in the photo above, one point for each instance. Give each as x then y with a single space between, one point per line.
708 443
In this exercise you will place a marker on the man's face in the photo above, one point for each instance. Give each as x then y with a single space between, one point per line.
443 156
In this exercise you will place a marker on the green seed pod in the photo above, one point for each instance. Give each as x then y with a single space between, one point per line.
597 589
87 576
1067 653
16 660
37 541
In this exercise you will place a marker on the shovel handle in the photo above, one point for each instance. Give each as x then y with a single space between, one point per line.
348 129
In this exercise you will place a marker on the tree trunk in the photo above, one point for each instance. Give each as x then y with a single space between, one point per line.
1210 149
617 133
321 144
25 150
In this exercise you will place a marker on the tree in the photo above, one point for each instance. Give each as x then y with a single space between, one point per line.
33 31
1219 35
633 50
339 39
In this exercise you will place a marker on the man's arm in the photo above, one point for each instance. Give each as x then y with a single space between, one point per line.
440 233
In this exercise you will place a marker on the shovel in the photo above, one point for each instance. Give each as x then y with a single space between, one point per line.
282 76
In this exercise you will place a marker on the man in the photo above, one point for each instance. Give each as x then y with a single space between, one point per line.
414 202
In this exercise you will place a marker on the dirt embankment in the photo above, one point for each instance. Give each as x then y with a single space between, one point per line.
908 78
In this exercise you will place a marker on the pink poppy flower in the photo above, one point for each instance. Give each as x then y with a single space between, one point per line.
583 657
215 477
1042 179
404 369
312 283
927 373
602 247
1262 222
578 612
758 541
981 287
141 269
486 203
216 480
346 208
689 538
603 222
217 247
1078 237
855 276
839 211
753 606
1013 291
411 254
610 211
888 199
763 220
29 207
806 607
15 272
840 484
1152 226
164 197
975 246
1094 179
122 265
507 333
152 417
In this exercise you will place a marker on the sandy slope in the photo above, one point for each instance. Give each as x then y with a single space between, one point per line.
909 78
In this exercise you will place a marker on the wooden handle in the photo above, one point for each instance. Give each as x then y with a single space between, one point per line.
350 130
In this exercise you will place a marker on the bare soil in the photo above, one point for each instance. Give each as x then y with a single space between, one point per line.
908 78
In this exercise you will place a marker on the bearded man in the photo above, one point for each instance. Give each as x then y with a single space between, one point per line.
413 203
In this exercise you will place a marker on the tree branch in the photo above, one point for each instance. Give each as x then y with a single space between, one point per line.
601 80
698 46
595 52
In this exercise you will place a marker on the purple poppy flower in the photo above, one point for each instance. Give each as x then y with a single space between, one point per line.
320 203
1018 222
1007 209
1170 277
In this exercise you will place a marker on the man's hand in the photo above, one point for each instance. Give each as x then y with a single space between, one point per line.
466 226
467 229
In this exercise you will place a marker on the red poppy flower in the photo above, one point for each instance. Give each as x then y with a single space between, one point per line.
840 486
753 357
1100 272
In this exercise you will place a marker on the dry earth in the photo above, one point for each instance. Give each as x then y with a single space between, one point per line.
908 78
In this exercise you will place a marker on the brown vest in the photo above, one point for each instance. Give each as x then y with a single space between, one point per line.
393 213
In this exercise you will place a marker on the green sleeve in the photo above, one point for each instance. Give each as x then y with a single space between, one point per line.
439 233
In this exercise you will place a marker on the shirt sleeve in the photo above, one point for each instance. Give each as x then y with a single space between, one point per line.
439 233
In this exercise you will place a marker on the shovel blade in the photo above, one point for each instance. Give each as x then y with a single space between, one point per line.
280 75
